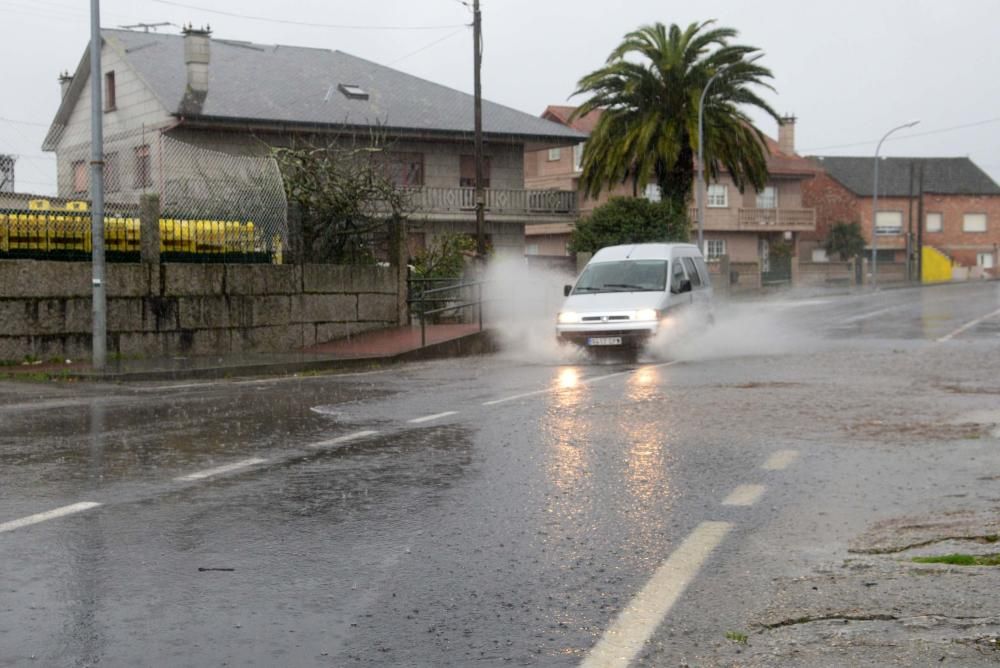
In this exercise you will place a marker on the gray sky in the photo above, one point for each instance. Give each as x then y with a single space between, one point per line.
848 70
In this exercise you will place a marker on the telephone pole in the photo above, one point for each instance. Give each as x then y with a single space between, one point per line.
99 333
477 60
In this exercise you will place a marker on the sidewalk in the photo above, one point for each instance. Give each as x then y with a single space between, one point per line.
367 350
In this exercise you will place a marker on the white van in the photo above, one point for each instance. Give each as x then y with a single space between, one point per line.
626 294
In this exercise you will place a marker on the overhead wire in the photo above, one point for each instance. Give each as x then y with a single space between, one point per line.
908 135
309 24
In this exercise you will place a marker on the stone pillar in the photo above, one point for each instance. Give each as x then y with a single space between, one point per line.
399 255
149 229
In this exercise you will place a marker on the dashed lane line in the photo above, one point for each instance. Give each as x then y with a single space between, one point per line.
220 470
48 515
429 418
780 460
516 397
744 495
969 325
346 438
584 381
637 622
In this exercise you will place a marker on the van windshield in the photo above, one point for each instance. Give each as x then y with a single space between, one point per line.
623 276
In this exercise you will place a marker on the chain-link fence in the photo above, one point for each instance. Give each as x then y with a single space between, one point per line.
218 201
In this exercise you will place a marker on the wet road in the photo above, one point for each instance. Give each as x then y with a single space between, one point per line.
497 510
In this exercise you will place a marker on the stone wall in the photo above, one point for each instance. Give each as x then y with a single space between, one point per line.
191 309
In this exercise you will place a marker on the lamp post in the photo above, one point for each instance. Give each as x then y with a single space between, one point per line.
875 202
699 189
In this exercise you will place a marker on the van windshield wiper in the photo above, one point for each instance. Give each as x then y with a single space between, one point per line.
585 287
627 286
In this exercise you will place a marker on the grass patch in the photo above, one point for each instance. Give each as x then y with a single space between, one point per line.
961 560
737 637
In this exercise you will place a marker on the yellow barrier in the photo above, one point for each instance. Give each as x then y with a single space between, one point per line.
47 230
935 266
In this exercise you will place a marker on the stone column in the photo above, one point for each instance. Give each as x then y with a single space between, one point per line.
399 255
149 229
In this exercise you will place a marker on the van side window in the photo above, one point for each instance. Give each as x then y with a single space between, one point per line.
692 273
703 271
676 275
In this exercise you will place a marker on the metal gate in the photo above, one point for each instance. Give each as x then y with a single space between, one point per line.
774 268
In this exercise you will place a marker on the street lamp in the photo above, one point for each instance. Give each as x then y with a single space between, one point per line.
875 202
699 190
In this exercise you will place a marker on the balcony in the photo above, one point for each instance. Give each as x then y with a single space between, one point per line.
777 220
535 204
758 220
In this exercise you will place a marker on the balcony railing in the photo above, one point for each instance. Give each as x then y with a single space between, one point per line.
795 220
524 202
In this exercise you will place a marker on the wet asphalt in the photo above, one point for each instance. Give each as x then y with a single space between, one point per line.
497 510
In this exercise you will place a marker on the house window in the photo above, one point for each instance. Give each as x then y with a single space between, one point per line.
467 171
934 222
715 248
109 90
112 173
767 198
984 260
652 192
531 249
974 222
718 196
819 255
80 179
143 177
405 169
554 154
578 157
889 222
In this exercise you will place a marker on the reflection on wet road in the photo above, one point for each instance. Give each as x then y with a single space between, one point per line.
483 510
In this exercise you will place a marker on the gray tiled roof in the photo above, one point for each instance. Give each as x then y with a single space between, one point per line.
943 176
288 84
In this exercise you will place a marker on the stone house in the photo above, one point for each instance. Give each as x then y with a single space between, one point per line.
947 203
745 226
239 98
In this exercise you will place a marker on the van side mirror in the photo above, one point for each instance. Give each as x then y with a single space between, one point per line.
567 289
686 285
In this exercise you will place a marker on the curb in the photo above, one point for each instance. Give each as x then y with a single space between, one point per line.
478 343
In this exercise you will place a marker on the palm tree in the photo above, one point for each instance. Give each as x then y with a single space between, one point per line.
648 92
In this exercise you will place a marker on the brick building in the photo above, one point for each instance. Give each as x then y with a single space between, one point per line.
746 226
954 201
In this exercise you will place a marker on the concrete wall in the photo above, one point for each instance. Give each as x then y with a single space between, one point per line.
190 309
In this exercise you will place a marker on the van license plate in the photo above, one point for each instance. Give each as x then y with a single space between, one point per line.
604 341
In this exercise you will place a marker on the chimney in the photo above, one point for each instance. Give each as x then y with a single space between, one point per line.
64 82
786 134
196 51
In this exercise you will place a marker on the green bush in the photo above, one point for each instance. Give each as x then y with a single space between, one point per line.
445 257
629 220
845 240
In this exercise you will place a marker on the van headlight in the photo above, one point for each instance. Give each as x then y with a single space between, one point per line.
647 314
568 318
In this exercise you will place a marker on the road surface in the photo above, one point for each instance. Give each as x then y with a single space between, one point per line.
496 510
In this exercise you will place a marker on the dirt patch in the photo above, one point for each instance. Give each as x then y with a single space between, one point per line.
919 431
904 533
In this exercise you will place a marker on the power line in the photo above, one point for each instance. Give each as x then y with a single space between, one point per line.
906 136
17 122
426 46
309 24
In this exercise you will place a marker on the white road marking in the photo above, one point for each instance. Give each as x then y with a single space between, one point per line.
872 314
428 418
584 381
219 470
637 622
515 397
346 438
744 495
780 460
48 515
969 325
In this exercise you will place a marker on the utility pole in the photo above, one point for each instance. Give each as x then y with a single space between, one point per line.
477 60
909 229
99 346
920 221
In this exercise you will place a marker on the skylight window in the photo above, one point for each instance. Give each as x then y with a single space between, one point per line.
353 91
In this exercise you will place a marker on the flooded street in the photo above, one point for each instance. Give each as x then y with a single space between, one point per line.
511 509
